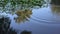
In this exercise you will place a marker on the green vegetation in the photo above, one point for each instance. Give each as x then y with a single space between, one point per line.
28 3
19 4
3 3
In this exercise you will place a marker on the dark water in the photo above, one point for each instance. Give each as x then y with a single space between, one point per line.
42 21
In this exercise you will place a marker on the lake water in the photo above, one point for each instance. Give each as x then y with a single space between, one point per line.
42 21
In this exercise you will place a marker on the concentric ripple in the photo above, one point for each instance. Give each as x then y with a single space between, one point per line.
45 15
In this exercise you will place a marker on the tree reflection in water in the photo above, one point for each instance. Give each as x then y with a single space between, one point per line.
55 9
5 26
55 2
23 15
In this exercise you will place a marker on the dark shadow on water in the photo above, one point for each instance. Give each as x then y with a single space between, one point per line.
5 26
26 32
55 2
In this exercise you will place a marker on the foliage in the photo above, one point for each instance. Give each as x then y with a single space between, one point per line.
25 4
28 3
3 2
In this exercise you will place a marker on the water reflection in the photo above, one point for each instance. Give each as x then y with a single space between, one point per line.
55 2
42 21
5 26
25 32
23 15
55 9
6 29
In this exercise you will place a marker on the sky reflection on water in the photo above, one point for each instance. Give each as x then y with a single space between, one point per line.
42 21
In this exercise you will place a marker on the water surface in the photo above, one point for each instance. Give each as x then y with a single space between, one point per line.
41 21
